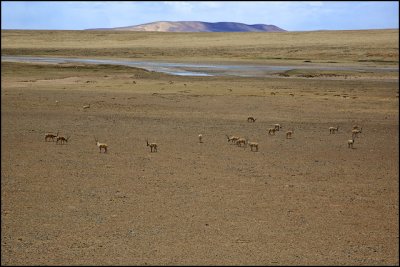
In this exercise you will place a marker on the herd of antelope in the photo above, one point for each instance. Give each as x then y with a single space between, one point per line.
244 141
237 140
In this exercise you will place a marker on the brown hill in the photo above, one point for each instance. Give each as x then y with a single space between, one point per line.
197 26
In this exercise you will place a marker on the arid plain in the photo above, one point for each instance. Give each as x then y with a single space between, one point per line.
306 200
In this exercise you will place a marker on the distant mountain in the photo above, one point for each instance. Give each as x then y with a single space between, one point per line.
197 26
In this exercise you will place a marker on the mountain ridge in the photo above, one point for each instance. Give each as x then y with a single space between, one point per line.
197 26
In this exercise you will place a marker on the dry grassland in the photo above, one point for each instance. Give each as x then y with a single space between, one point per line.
308 200
346 47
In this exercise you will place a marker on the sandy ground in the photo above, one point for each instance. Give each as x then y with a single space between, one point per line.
308 200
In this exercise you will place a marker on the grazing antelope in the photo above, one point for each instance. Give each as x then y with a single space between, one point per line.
232 139
332 130
355 132
50 136
200 138
251 119
152 146
271 131
289 134
86 106
350 143
241 141
62 139
101 145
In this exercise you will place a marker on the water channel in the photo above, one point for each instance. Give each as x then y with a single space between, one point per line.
191 69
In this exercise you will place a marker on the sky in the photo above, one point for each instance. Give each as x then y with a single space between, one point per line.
288 15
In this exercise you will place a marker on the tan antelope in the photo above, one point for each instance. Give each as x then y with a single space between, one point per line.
86 107
251 119
232 139
271 131
252 145
153 146
51 136
241 141
350 143
355 132
289 134
332 130
200 138
62 139
101 145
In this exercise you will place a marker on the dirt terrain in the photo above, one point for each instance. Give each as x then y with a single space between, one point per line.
307 200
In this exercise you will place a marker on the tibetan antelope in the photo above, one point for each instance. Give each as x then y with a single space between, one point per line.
332 130
153 146
62 139
200 138
277 127
271 131
50 136
251 119
86 107
355 132
252 145
101 145
241 141
289 134
350 143
232 139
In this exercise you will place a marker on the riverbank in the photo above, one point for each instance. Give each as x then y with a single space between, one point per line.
242 70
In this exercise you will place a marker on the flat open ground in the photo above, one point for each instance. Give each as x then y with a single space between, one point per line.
308 200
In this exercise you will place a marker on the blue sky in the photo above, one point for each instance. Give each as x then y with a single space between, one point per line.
289 15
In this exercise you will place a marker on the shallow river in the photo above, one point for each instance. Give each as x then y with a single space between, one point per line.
188 69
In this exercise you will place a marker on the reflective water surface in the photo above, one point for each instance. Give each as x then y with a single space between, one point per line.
191 69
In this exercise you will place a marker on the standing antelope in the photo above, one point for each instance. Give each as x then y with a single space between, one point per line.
252 144
152 146
50 136
251 119
62 139
289 134
271 131
277 127
101 145
241 141
350 142
355 132
200 138
332 130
